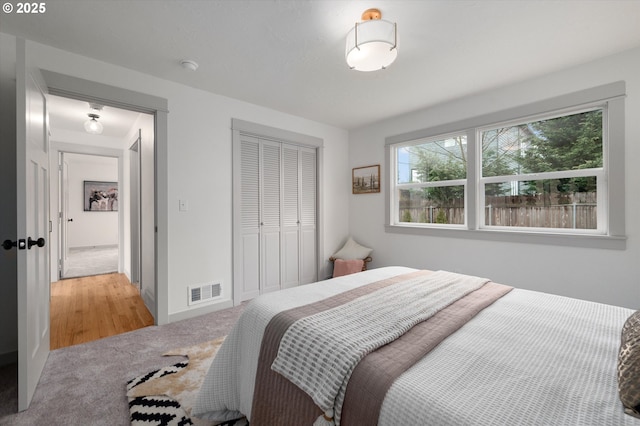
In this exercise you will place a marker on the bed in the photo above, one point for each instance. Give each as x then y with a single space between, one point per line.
525 358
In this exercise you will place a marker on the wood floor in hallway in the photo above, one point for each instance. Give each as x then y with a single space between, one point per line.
90 308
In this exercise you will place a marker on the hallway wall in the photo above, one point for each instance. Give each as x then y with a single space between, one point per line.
90 228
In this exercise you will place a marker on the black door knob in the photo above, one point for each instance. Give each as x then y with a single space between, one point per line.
21 244
70 220
39 242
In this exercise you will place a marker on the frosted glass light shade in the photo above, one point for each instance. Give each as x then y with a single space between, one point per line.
371 45
92 125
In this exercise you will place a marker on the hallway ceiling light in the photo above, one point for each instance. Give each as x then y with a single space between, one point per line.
372 43
92 125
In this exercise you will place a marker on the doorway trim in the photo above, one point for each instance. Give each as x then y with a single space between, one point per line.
57 148
90 91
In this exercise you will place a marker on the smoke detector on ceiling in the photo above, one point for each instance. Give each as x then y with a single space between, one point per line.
189 64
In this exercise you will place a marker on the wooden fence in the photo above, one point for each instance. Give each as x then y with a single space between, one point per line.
568 216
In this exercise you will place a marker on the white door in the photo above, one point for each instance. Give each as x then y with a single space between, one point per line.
247 242
32 225
64 217
270 190
290 216
275 199
308 226
134 209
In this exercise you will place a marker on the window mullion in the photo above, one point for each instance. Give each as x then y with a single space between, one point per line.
471 205
436 184
545 175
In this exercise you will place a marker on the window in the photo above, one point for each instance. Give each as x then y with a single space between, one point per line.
544 173
538 173
431 181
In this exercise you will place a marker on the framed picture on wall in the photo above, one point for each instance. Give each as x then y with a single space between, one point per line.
366 180
100 196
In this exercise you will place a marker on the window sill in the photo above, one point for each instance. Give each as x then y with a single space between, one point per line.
608 242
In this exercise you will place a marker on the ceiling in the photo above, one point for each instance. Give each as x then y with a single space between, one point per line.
288 55
69 115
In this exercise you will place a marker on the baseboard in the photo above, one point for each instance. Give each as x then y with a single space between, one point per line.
196 312
8 358
91 247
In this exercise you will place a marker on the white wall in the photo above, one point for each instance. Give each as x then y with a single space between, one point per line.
608 276
90 229
199 170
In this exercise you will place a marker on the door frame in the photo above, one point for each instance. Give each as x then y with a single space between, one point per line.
63 216
135 214
91 91
58 149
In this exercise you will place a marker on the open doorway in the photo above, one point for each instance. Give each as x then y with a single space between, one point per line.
103 215
89 203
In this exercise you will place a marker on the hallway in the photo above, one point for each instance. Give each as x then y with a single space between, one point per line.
90 308
86 261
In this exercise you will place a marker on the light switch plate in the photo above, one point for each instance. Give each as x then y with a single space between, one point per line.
183 205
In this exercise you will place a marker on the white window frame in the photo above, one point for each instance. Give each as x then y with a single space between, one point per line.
611 182
433 184
600 174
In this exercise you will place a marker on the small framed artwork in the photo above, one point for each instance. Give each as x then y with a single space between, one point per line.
100 196
366 180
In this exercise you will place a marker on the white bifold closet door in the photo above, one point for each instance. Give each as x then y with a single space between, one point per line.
308 196
277 245
290 217
270 199
247 248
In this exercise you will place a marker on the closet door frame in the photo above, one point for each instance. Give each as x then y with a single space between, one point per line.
241 127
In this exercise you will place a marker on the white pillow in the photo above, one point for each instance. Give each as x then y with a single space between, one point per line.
352 250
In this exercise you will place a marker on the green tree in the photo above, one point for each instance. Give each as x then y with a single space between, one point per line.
441 161
500 152
571 142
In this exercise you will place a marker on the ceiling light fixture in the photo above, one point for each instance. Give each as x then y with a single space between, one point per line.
372 43
92 125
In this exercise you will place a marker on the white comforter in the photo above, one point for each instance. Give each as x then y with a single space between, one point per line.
530 358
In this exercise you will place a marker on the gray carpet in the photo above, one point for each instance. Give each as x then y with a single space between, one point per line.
85 261
86 384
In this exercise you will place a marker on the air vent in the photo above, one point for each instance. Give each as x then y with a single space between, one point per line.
203 293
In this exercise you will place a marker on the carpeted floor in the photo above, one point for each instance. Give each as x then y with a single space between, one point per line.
167 396
86 261
86 384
